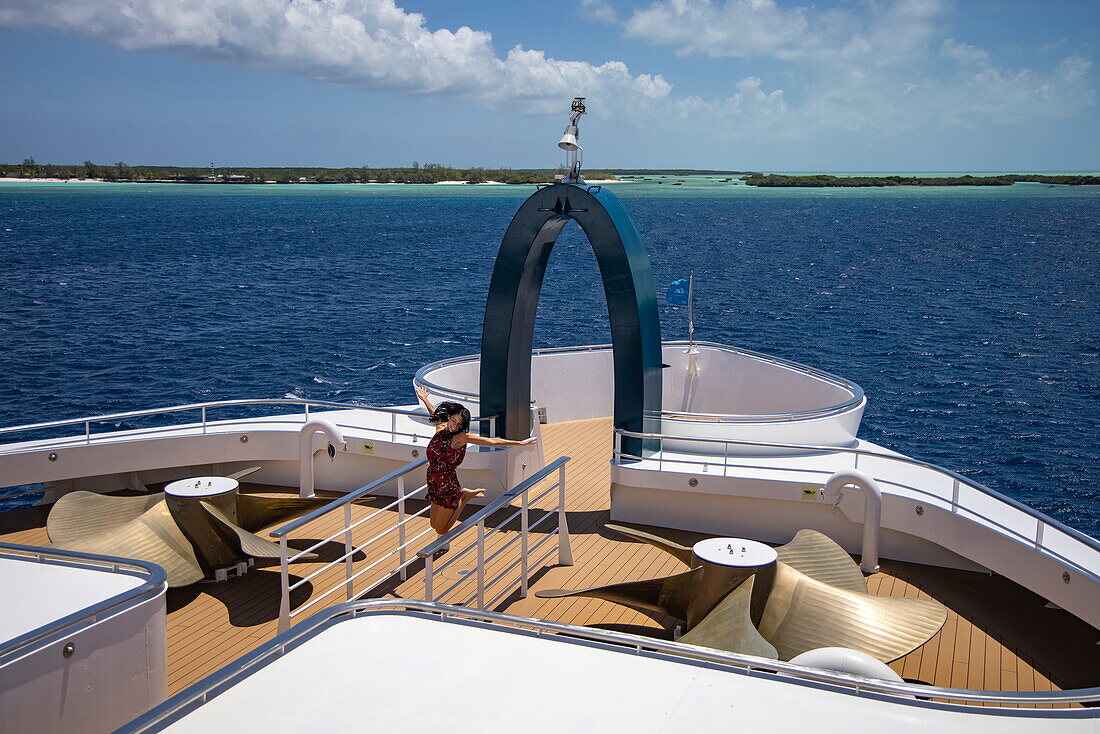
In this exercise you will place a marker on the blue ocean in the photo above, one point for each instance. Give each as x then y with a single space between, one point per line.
969 315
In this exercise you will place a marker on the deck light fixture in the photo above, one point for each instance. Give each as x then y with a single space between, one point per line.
569 143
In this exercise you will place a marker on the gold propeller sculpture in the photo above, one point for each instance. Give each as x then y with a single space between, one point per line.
189 537
813 596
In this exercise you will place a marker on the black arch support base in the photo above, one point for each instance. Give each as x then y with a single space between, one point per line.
631 304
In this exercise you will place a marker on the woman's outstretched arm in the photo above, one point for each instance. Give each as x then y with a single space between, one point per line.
422 393
487 441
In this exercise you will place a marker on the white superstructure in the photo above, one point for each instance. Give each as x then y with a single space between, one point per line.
406 666
82 640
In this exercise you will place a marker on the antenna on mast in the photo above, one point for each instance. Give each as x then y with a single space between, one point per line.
569 144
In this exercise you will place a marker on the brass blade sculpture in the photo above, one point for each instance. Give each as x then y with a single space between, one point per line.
729 627
239 475
256 512
819 557
190 540
688 596
83 514
153 536
803 613
667 595
248 543
814 596
680 552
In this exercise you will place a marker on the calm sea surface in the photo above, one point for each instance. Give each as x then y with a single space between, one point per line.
971 316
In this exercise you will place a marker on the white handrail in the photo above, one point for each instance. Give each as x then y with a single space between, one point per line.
350 548
526 549
1035 539
86 437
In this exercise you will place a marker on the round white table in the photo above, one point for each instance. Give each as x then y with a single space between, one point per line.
201 487
734 552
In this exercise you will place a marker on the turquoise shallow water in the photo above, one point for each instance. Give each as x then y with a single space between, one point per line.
969 315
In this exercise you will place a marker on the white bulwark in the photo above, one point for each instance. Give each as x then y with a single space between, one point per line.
82 640
410 671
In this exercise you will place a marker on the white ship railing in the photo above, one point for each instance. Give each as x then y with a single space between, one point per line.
346 533
404 544
915 695
527 550
204 425
88 437
1038 537
857 394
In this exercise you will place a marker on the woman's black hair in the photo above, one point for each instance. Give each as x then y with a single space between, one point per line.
445 410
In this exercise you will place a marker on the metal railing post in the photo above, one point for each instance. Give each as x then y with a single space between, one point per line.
725 458
481 564
565 546
618 455
429 576
284 582
87 432
401 525
493 425
523 525
393 427
307 413
349 546
204 420
955 496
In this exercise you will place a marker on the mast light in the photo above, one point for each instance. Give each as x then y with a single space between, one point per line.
568 142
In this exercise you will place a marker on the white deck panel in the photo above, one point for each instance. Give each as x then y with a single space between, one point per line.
41 593
395 672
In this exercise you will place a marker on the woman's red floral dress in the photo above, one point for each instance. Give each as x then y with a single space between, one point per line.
443 460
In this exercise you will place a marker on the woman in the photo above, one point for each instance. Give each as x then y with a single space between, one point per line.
445 452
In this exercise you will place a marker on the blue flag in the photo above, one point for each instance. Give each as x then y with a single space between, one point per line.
678 292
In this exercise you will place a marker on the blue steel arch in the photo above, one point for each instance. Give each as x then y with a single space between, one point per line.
513 301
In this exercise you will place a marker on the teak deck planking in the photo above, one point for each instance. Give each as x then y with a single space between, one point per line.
211 624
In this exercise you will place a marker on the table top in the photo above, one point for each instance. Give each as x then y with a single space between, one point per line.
201 486
735 552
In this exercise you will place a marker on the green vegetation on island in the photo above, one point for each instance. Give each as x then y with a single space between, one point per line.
428 173
820 180
679 172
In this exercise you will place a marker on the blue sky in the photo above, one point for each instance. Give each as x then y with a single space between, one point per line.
916 85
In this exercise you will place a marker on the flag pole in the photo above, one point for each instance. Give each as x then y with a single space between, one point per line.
691 312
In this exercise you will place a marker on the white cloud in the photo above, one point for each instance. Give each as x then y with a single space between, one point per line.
882 33
735 28
750 110
874 66
598 10
964 52
368 44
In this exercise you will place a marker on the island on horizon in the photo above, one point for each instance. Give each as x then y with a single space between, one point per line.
435 173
